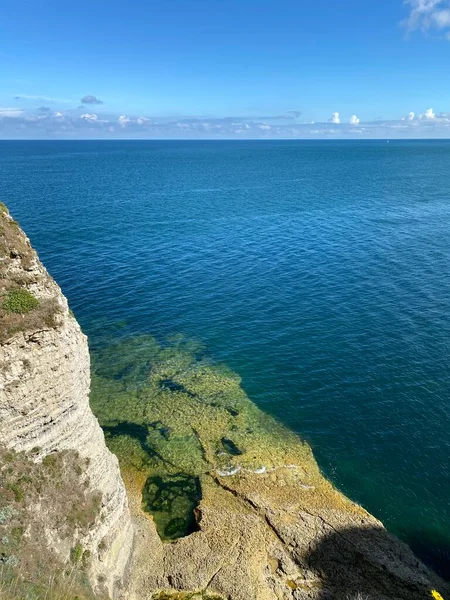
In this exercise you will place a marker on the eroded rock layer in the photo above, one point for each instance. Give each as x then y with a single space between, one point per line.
44 393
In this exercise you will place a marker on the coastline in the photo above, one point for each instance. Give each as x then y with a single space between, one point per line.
235 504
267 523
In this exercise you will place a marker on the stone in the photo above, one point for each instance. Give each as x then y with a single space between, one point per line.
44 404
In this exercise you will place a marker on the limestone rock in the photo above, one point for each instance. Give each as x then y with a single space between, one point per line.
44 397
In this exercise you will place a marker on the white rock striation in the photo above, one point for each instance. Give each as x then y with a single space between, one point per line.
44 403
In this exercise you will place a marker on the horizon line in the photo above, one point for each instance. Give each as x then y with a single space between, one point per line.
113 139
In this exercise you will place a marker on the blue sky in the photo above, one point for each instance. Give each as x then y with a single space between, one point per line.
225 68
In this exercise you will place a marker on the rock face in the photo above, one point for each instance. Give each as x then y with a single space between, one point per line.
44 396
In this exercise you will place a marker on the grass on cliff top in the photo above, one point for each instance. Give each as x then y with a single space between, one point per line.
20 310
63 586
39 503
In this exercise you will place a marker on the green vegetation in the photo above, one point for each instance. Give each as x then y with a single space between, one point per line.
172 500
64 585
20 301
76 553
172 416
35 499
19 309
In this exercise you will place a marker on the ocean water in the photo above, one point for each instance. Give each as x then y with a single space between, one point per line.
318 271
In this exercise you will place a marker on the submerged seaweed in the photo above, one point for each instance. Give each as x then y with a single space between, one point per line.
172 501
172 416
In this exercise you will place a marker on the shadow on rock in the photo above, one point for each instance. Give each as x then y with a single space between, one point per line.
368 563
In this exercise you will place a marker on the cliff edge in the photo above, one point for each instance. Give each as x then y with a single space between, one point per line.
44 396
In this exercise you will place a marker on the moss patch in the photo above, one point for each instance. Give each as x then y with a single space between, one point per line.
20 301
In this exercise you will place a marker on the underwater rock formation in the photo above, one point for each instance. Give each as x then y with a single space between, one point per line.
44 393
257 520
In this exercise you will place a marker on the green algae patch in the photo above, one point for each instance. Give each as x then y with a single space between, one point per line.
172 501
172 416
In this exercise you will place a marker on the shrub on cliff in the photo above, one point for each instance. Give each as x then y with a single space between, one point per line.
20 301
20 310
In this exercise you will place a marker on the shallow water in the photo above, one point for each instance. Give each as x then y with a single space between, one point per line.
318 271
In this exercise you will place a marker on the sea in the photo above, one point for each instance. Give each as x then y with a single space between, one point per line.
319 271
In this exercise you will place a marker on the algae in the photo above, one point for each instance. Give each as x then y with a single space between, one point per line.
172 501
171 415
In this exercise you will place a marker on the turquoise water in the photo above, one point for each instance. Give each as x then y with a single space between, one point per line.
319 271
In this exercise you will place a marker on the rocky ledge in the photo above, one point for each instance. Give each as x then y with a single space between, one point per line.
229 502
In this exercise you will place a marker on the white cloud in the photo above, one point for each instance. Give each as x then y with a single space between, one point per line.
442 18
10 112
90 99
76 123
335 118
41 98
429 114
89 117
428 14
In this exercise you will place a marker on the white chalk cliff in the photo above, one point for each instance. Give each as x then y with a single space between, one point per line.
44 398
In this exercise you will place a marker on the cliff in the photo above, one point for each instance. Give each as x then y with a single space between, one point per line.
44 395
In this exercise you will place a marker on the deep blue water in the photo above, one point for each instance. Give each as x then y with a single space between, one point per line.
319 271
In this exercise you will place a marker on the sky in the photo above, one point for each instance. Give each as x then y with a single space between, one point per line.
233 69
